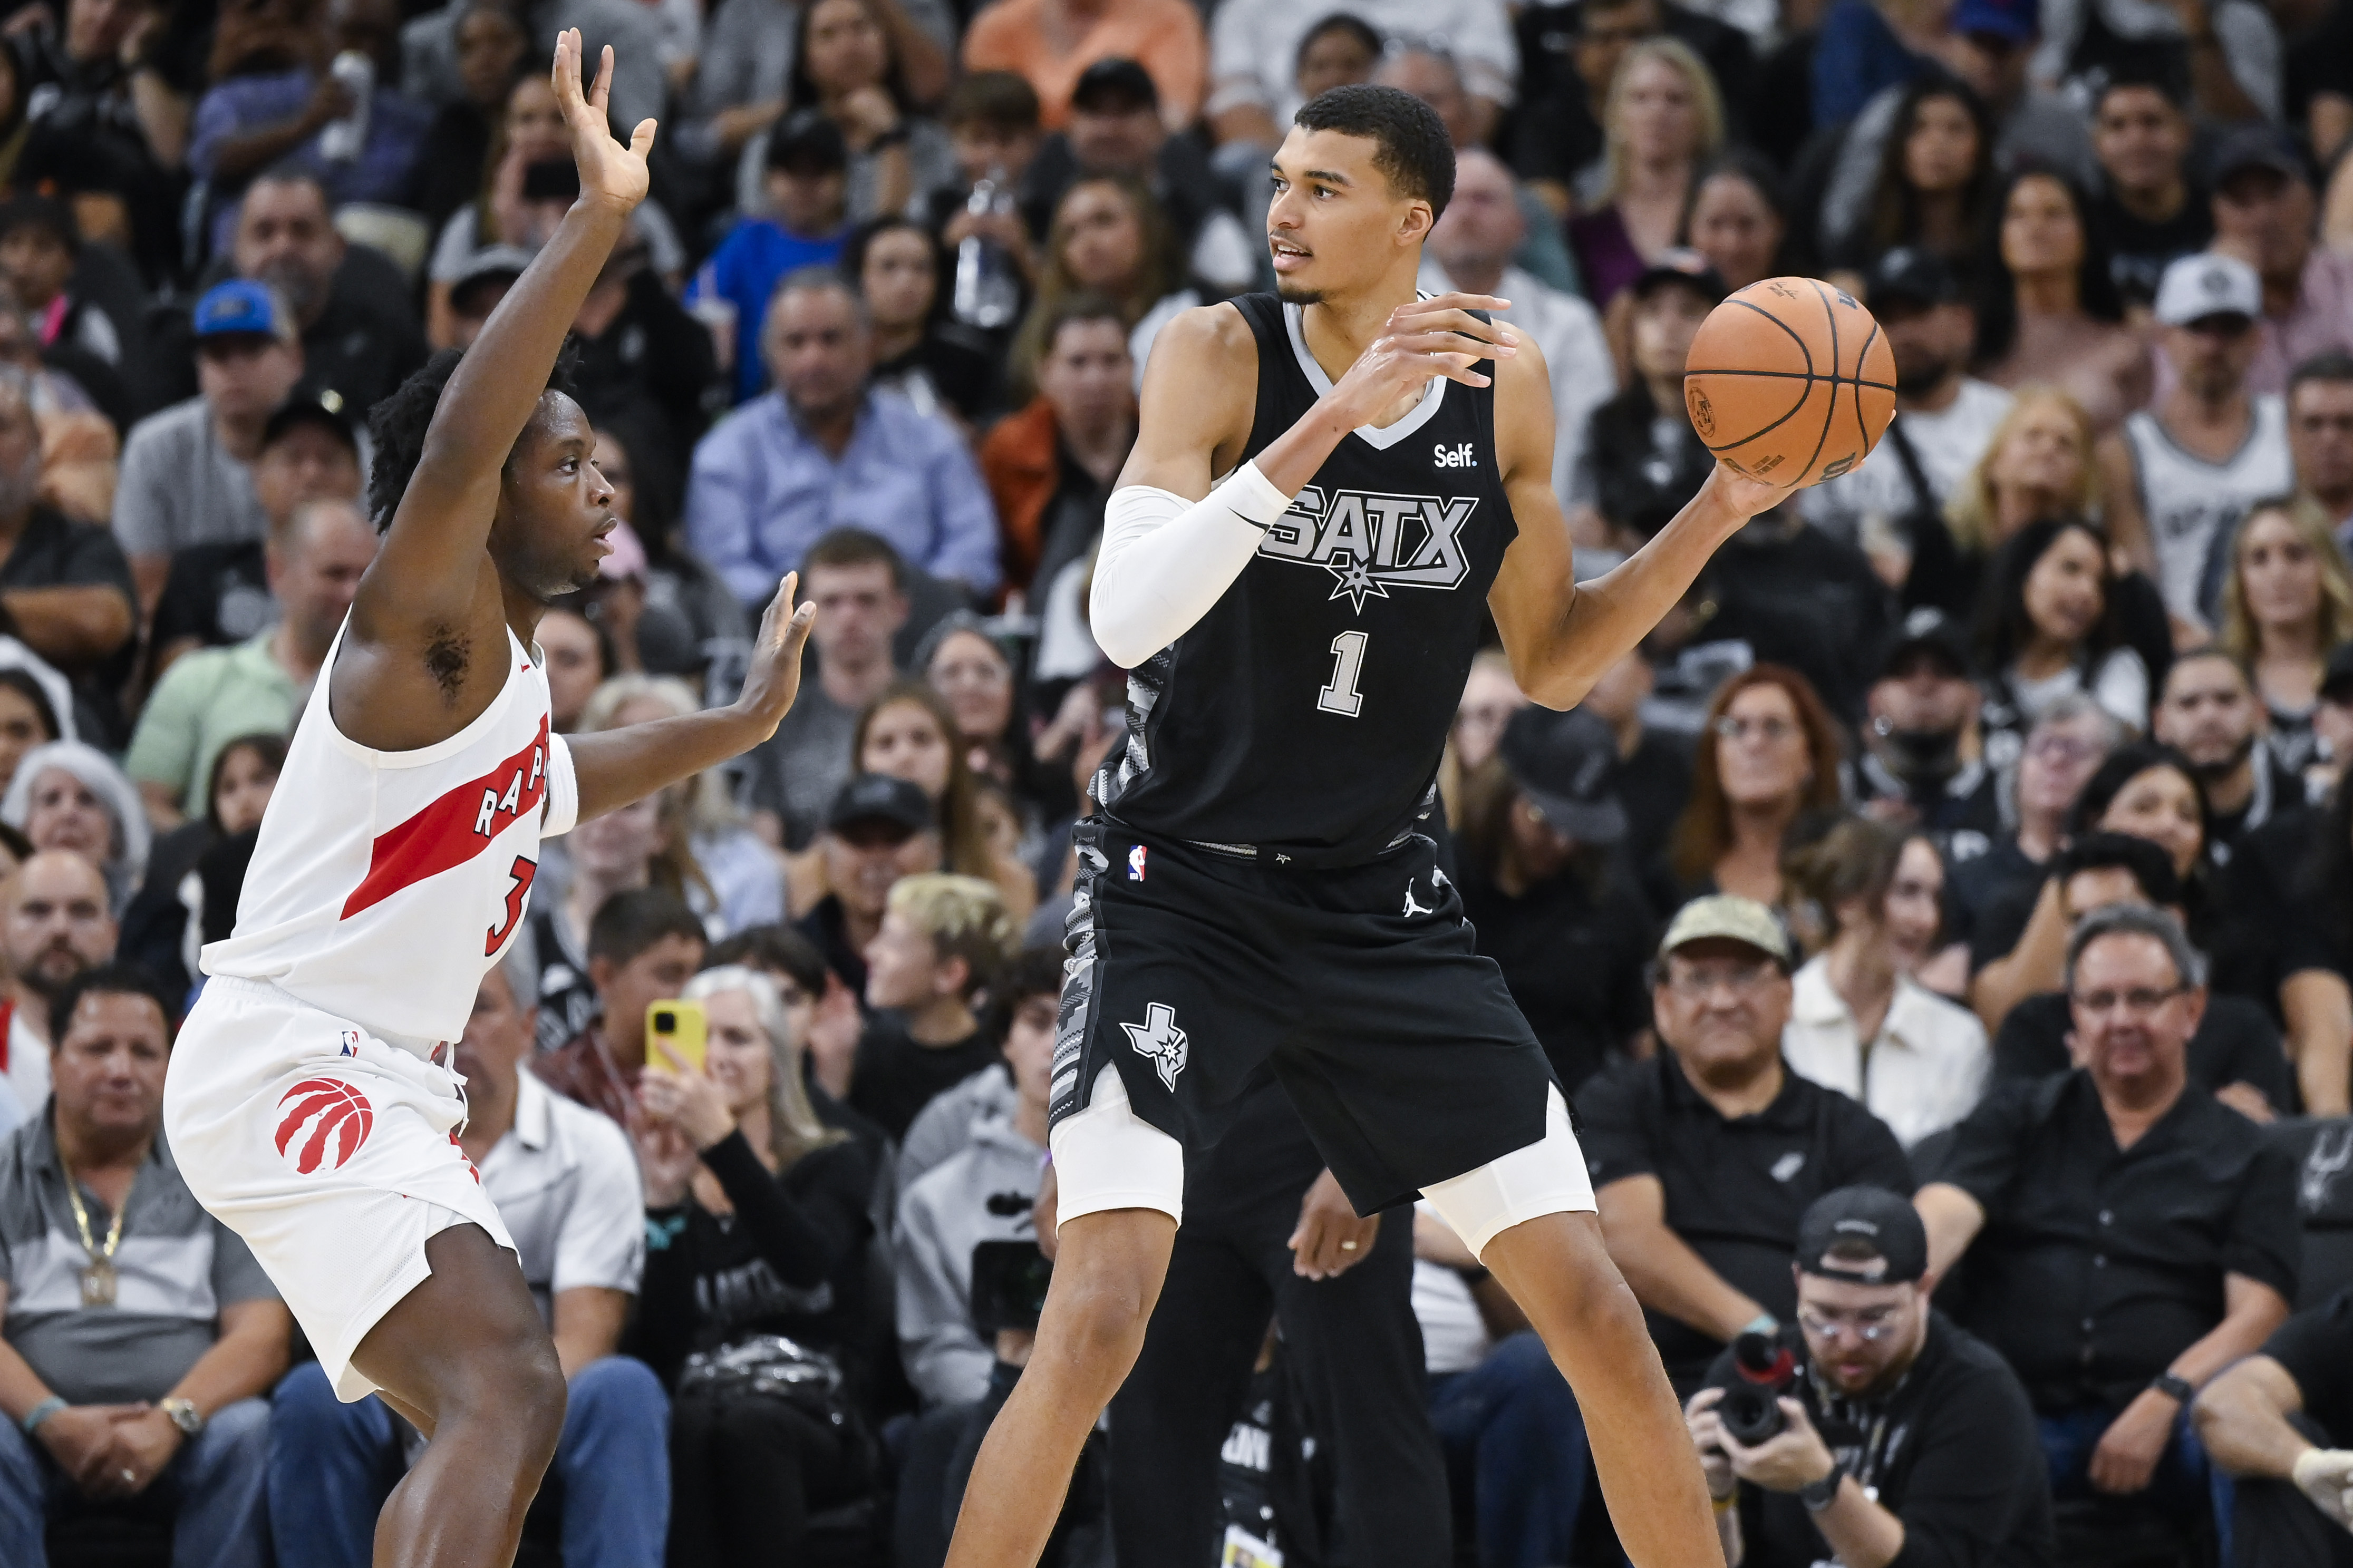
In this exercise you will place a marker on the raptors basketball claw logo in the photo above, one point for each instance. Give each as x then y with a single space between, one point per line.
320 1110
1159 1037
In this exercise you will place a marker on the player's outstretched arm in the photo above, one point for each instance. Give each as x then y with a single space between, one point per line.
432 563
614 767
1559 635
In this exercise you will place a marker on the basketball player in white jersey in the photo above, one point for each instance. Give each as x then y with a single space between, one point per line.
2180 477
310 1102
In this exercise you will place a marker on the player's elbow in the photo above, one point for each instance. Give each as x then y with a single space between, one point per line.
1119 624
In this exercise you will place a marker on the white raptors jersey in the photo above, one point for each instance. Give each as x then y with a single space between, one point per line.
2190 503
385 884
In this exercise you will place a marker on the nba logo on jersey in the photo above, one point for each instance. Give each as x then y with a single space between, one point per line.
1136 864
351 1043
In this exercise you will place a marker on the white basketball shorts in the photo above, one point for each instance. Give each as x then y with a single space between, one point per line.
331 1151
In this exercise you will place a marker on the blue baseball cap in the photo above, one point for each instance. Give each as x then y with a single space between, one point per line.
2017 20
241 308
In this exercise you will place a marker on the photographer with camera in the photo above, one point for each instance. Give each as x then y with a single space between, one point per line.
1878 1430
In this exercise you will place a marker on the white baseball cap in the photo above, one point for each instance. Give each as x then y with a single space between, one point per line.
2195 287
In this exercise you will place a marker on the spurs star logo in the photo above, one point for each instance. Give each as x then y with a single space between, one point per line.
1372 543
1159 1038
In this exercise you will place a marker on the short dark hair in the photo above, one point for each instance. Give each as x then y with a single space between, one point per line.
628 924
1033 971
289 172
397 426
1347 22
854 547
116 977
1086 305
2148 864
1412 148
2144 71
2123 765
774 950
22 682
2328 364
1004 100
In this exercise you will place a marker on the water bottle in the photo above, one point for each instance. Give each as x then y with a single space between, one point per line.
987 290
341 141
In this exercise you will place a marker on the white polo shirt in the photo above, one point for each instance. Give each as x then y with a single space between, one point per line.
565 1181
1924 1073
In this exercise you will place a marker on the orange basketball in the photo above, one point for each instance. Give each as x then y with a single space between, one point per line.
1790 381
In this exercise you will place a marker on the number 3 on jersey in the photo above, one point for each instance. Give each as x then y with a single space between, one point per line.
1340 694
521 871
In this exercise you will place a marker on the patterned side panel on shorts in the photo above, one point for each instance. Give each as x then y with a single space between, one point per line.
1081 975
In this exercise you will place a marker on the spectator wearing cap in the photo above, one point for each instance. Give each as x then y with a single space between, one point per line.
1923 754
1639 465
1903 1437
1052 465
2265 215
1254 51
39 248
643 946
2148 207
187 472
477 287
1471 248
806 223
879 830
1552 896
2280 1424
1944 417
213 695
1053 42
2320 438
1706 1155
825 451
2182 472
2128 1238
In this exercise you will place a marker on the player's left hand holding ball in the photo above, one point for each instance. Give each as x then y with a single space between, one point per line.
775 678
609 172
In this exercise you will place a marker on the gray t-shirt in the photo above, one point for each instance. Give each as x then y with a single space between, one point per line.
179 486
177 1266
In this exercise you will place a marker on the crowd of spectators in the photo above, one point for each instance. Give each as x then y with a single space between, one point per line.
1971 834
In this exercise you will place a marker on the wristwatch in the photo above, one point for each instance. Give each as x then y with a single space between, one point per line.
1819 1495
2177 1389
183 1415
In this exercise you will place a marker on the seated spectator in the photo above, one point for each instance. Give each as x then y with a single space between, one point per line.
2052 623
1736 219
152 1397
2060 755
643 946
2234 1054
803 221
2148 209
274 103
2164 1219
970 671
2287 605
692 624
1542 877
2037 462
187 472
29 718
577 657
941 941
921 350
1923 751
1864 48
2279 1424
1108 237
55 924
980 1193
638 349
2320 436
858 584
65 587
909 733
105 110
992 124
214 694
564 1181
1471 250
2208 713
1859 1023
219 595
1654 768
2050 313
824 451
1768 752
38 244
2228 54
163 927
1053 49
755 1223
1640 463
879 830
2292 891
1663 123
1934 186
70 795
615 852
487 46
1261 71
1706 1156
1782 591
2263 210
1872 1355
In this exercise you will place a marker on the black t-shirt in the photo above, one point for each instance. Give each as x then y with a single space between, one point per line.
1800 598
2282 923
2236 1042
956 360
2316 1348
55 551
827 925
1966 801
1952 1451
2319 61
2096 1266
653 360
894 1078
2139 250
1735 1189
1653 784
1573 958
1976 884
215 595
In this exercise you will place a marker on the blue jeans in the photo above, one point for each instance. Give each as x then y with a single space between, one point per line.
2181 1488
213 1487
1513 1423
332 1465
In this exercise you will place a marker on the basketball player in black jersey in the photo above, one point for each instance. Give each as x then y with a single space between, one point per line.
1253 889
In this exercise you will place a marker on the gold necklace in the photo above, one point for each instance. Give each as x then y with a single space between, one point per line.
99 1280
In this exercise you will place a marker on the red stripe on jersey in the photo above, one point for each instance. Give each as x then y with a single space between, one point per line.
456 827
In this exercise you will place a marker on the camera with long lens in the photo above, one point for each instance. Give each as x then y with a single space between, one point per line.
1763 1369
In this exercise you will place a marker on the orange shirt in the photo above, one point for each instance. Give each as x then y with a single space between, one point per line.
1164 37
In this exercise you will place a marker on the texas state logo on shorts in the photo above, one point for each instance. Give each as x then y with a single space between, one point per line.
326 1122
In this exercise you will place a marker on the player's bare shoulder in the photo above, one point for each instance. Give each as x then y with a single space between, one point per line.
1523 406
1200 385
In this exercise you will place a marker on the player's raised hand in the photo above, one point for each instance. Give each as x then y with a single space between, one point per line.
1423 339
775 678
608 171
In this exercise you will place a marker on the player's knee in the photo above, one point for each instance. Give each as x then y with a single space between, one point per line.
1103 1315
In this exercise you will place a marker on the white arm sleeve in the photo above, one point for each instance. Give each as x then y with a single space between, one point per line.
1166 560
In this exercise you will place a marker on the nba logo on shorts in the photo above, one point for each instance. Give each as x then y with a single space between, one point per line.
1136 864
326 1120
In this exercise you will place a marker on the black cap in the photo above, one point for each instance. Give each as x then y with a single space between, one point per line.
2256 147
2336 675
1910 272
1880 1220
1114 85
1930 631
1685 266
326 410
1567 766
878 798
806 143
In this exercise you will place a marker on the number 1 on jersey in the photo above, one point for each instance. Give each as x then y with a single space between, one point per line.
1340 694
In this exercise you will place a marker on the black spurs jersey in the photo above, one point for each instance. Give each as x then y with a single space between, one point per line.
1303 716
